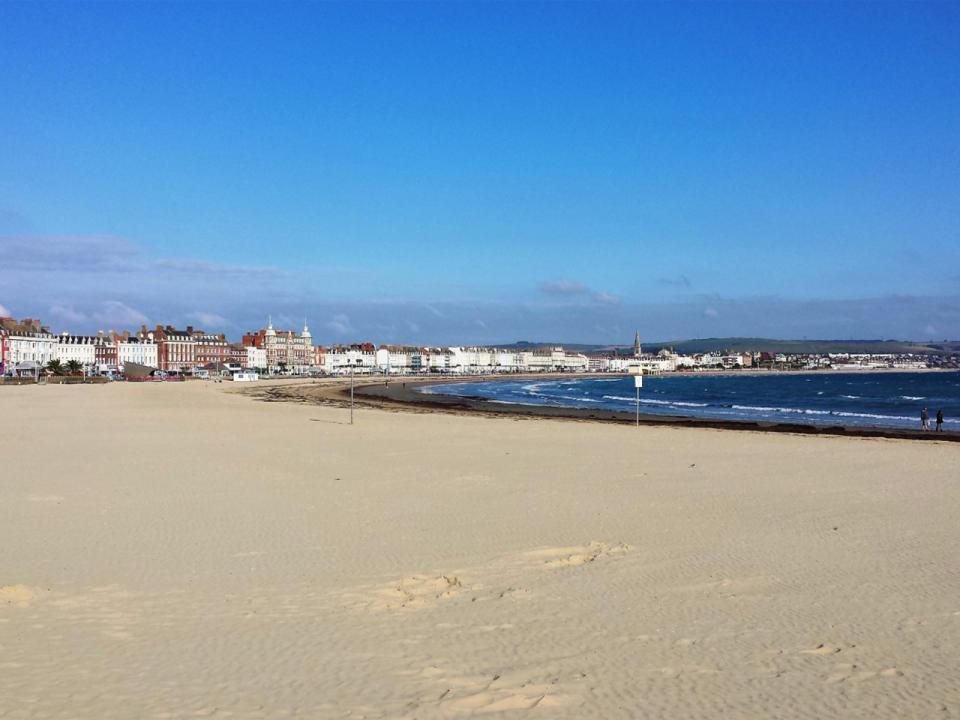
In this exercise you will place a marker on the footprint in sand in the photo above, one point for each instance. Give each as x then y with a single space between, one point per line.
821 650
576 555
415 591
844 672
474 694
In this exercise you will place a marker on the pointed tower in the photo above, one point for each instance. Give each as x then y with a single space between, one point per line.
636 345
306 332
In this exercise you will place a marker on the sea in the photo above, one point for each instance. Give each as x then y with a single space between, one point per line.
861 398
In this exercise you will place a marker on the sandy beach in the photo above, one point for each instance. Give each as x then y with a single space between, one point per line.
187 550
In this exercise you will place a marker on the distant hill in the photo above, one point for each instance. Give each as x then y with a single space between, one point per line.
703 345
807 346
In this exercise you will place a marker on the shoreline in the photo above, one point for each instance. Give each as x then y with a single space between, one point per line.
402 395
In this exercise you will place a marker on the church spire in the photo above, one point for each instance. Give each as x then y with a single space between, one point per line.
636 344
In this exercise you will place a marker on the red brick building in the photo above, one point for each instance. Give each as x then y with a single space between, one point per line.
237 354
106 355
210 349
176 349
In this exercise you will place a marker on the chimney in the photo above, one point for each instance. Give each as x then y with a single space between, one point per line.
189 329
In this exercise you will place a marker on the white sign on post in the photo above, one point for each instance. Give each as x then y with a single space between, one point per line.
638 383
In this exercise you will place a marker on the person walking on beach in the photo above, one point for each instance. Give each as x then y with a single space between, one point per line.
940 420
924 422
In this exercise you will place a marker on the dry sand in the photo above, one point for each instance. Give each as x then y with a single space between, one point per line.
181 550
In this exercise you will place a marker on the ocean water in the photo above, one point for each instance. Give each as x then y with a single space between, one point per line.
885 399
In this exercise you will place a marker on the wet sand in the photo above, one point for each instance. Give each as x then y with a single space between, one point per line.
402 393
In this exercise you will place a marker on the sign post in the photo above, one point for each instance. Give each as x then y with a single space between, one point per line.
638 383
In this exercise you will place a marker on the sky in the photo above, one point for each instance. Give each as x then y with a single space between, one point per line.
481 173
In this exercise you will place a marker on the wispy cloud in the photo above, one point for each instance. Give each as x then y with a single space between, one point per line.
681 281
51 253
67 313
209 319
86 283
563 287
340 324
105 254
116 313
188 266
603 298
4 312
577 291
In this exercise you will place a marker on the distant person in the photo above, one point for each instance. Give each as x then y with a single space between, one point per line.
939 420
924 421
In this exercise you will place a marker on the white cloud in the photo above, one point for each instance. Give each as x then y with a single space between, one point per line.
572 289
605 298
208 318
340 323
114 312
563 287
711 312
4 312
67 313
71 253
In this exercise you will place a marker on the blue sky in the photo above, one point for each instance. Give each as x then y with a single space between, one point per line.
481 173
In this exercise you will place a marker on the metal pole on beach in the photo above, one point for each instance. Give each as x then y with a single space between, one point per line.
351 394
638 383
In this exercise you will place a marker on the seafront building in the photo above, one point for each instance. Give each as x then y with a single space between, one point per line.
284 349
136 349
211 350
27 347
176 349
81 349
359 358
256 358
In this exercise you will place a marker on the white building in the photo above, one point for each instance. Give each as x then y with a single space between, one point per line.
256 357
142 351
437 360
27 342
79 348
342 361
393 360
553 359
472 360
506 361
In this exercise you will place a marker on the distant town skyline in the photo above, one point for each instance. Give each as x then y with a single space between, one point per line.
483 173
